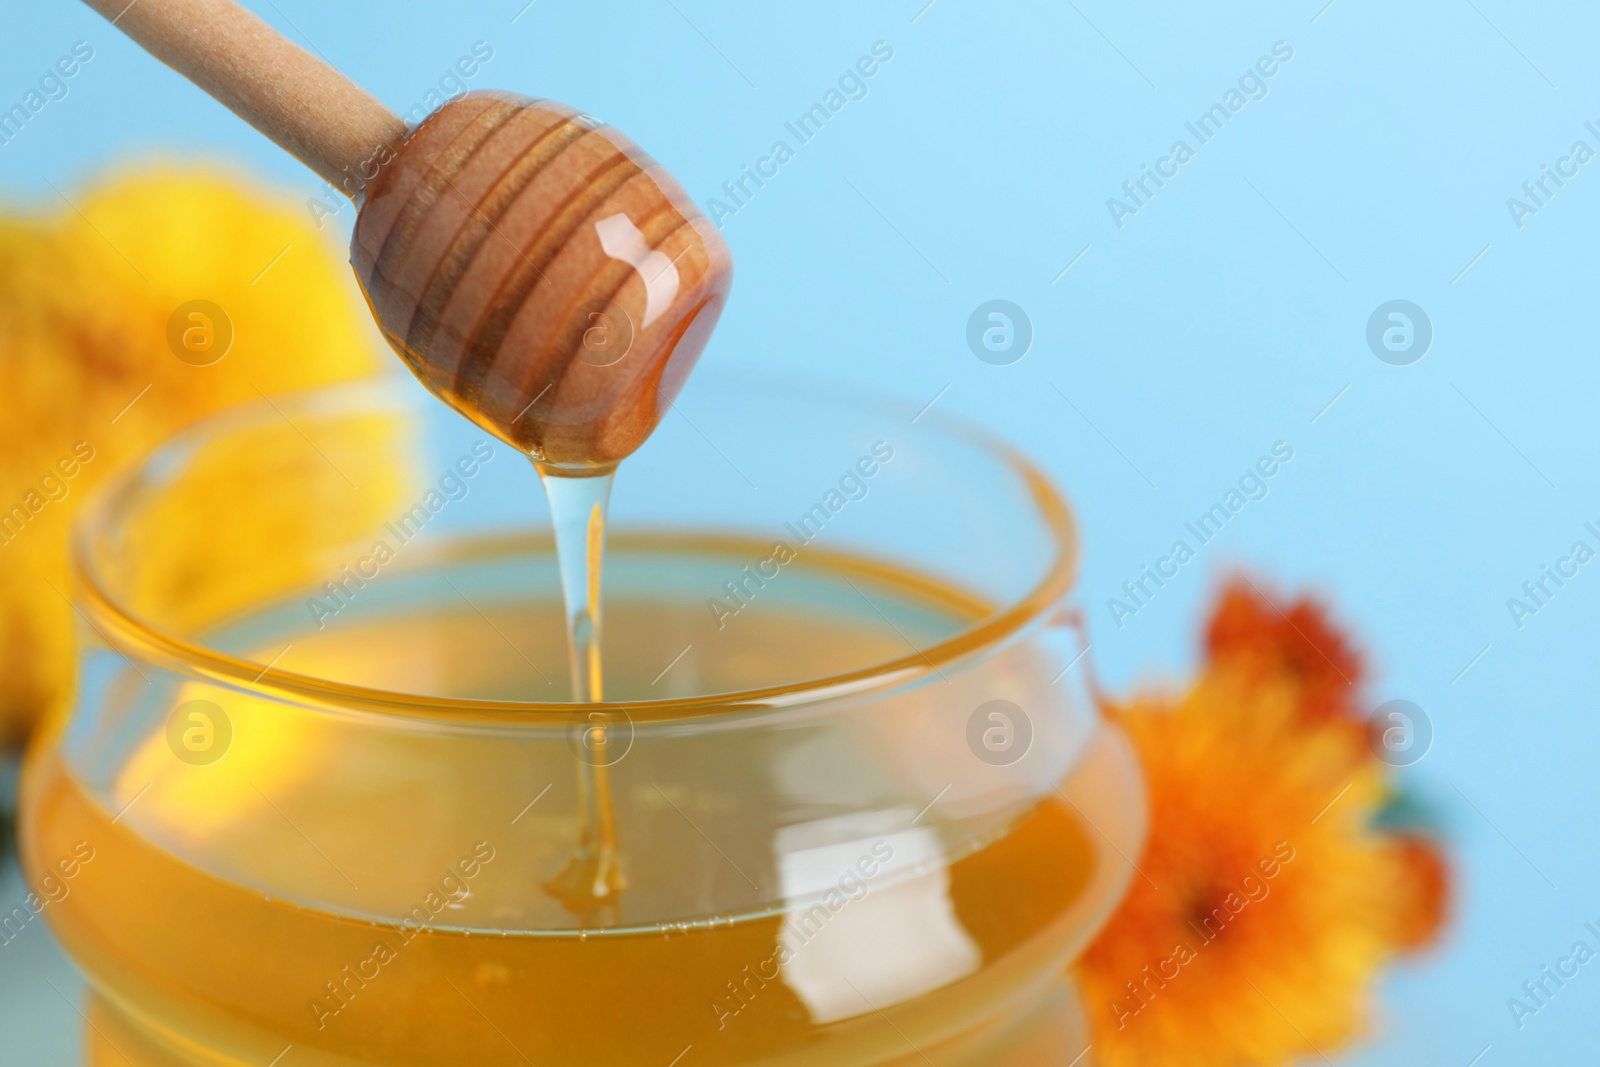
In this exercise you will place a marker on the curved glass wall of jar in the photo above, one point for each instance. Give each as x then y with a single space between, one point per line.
323 761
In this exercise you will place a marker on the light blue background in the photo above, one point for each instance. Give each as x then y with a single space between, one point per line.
1223 317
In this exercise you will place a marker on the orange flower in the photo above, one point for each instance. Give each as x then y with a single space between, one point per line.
1424 900
1268 895
1248 629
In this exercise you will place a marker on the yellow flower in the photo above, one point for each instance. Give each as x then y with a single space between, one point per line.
1268 895
91 380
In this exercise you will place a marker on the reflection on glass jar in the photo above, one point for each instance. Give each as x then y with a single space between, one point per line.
323 758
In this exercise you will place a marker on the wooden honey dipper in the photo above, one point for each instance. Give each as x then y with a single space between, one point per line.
535 269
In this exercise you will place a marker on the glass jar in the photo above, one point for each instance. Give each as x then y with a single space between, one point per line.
320 775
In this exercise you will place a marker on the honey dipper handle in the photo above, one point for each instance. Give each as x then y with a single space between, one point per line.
321 117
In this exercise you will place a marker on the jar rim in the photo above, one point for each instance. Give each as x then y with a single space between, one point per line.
131 635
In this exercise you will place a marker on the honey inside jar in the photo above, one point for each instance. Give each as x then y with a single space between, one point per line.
861 914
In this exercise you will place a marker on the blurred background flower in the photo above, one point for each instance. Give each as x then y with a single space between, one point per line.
100 360
1284 866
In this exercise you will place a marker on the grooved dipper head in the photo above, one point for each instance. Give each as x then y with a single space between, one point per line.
540 274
